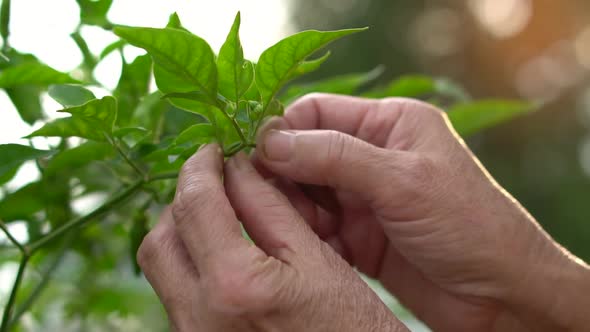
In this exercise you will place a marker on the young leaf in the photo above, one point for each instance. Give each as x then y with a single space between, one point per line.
175 23
13 155
201 133
235 73
279 63
469 118
179 53
309 66
33 73
70 95
70 127
133 85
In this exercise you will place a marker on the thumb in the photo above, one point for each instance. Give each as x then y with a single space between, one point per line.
334 159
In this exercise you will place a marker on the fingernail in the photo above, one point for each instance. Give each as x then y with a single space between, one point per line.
279 145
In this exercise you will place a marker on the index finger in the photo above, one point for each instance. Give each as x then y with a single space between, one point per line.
368 119
204 218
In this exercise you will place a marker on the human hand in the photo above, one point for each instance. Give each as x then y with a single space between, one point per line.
396 192
210 278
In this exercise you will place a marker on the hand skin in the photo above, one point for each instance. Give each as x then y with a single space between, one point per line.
210 278
392 188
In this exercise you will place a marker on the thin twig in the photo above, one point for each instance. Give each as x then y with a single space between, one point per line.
122 153
15 287
46 277
14 241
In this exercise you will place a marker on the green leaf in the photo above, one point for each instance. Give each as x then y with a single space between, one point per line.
201 133
26 99
133 85
14 155
78 157
32 73
416 86
89 60
102 112
69 127
235 73
122 132
175 23
94 12
280 63
307 67
22 203
70 95
470 118
92 121
180 54
5 20
347 84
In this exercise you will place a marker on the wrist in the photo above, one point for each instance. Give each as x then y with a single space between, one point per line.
553 293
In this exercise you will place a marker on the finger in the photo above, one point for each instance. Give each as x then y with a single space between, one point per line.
322 222
167 265
268 217
202 213
337 160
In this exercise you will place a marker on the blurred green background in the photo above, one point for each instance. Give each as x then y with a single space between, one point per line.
530 49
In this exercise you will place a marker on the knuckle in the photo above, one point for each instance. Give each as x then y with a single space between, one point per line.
422 169
236 289
151 246
191 197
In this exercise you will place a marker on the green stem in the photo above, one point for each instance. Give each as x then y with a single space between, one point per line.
123 155
12 299
107 206
44 281
12 239
5 23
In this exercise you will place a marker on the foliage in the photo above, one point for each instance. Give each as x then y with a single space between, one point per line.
133 143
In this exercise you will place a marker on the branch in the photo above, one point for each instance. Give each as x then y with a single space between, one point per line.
122 153
107 206
44 281
20 247
12 298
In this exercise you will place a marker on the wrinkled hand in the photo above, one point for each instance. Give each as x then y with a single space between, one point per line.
210 278
393 189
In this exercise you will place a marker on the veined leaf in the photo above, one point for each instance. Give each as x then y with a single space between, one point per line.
70 95
470 118
102 112
309 66
235 74
32 73
181 54
92 121
12 156
279 63
201 133
175 23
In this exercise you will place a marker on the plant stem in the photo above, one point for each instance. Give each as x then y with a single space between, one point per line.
12 239
13 293
5 23
108 205
44 281
123 155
